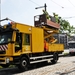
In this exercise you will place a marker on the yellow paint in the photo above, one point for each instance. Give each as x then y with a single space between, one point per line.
10 58
9 52
56 47
23 28
26 48
37 40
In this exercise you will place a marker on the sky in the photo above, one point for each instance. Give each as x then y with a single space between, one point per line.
23 11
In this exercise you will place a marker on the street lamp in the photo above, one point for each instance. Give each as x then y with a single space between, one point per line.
42 7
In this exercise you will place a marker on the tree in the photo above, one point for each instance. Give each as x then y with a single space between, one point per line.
65 27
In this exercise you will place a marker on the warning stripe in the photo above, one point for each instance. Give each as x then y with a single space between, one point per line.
3 47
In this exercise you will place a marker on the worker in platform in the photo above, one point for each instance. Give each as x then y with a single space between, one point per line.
47 15
56 17
60 20
46 45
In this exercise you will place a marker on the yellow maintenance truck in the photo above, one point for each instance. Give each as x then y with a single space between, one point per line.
22 44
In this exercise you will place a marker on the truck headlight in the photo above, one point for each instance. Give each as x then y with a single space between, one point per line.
7 60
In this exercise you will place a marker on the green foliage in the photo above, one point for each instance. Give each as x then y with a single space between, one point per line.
65 27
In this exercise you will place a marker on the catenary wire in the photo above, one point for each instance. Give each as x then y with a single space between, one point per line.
57 4
34 2
71 3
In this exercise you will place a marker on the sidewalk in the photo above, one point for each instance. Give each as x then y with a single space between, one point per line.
66 52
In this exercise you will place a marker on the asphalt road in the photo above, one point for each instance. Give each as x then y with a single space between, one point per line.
64 66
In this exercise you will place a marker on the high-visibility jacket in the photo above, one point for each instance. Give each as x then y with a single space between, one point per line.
56 17
46 46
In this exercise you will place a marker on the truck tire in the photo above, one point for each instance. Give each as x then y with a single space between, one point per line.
23 64
71 53
5 65
55 58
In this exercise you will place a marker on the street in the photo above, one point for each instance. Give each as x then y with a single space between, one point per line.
64 66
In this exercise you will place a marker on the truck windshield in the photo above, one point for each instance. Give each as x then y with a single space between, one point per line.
71 45
5 37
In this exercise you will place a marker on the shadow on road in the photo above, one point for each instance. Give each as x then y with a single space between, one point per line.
15 70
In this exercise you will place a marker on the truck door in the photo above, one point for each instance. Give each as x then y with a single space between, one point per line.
27 43
18 42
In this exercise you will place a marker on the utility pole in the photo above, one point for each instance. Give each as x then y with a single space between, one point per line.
0 12
42 7
45 6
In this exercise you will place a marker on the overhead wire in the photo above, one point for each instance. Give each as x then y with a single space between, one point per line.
69 17
57 4
63 7
34 2
71 3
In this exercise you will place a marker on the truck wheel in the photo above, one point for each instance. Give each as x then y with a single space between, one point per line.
71 54
55 58
23 64
5 65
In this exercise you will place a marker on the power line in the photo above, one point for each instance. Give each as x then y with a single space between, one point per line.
69 17
59 10
71 3
34 2
57 4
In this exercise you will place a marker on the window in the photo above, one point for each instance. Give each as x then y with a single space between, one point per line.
71 45
18 43
5 37
26 39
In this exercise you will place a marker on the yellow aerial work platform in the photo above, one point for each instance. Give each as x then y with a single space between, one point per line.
49 28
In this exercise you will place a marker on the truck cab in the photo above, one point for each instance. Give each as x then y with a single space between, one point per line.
10 43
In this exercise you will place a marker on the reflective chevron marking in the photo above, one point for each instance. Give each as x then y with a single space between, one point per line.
3 47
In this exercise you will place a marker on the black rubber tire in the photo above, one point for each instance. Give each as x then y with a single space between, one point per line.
55 58
71 54
23 64
5 65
